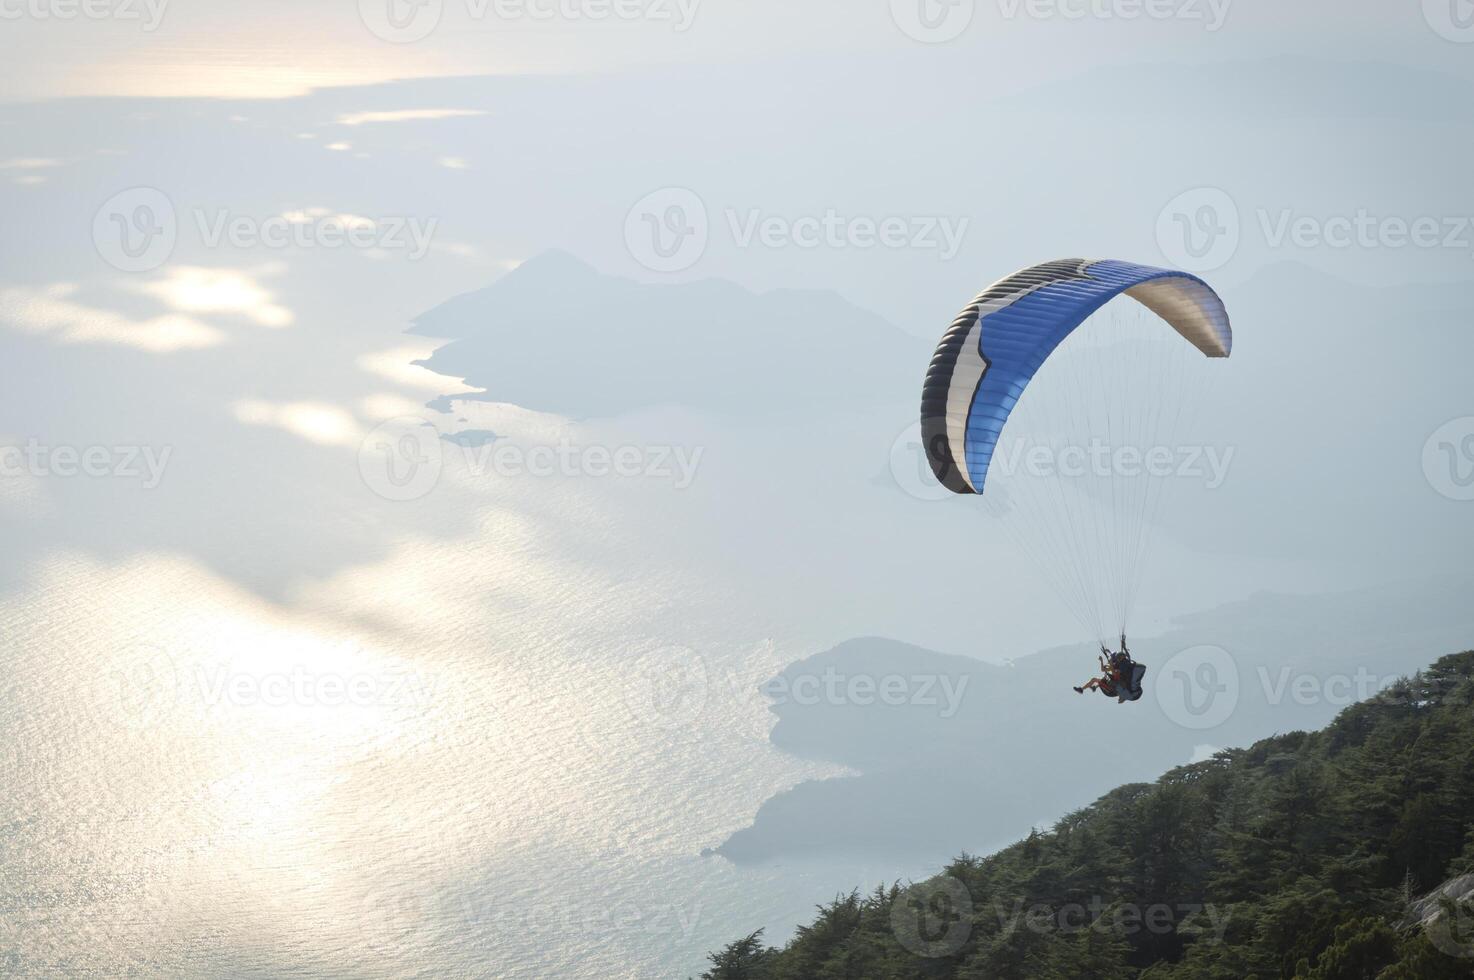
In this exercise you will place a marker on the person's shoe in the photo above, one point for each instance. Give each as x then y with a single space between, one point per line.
1079 690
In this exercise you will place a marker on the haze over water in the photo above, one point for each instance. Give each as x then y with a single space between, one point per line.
269 706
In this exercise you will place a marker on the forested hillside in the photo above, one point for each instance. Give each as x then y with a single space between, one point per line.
1344 853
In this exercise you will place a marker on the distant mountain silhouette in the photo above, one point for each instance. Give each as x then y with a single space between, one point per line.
556 336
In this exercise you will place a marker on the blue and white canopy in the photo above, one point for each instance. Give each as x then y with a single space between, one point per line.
1000 340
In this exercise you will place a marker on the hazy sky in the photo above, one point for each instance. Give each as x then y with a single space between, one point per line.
1244 142
220 220
279 48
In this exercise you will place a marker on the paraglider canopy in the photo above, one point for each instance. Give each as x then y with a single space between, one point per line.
1068 485
999 341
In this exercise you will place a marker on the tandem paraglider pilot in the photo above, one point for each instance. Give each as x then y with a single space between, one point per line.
1120 676
987 359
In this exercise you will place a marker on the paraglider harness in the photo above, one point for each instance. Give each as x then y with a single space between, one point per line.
1126 673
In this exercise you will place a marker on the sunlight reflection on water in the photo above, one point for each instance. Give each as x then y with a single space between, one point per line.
459 756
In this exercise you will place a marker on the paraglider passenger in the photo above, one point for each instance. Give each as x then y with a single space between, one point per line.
1108 681
1120 676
